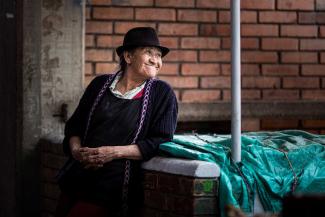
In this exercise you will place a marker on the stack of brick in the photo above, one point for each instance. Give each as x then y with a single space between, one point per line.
52 159
180 188
168 195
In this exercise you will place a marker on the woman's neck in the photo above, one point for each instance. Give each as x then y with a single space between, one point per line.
128 82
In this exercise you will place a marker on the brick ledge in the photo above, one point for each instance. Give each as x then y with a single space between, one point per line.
222 111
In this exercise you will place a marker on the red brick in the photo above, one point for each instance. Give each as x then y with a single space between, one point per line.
197 15
215 56
279 124
178 29
250 94
312 44
322 32
98 55
301 83
181 55
259 57
280 70
105 68
322 57
200 42
313 94
307 17
313 123
320 4
250 124
99 27
299 30
170 42
280 94
181 82
215 82
245 95
320 18
155 14
250 69
225 69
249 43
123 27
200 69
113 13
245 17
213 4
169 69
215 30
88 13
277 17
299 57
313 17
261 82
258 4
322 132
101 2
175 3
246 43
260 30
88 69
313 70
296 4
90 41
109 41
200 96
133 3
279 44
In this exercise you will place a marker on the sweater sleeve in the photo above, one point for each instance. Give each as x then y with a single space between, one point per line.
76 124
162 127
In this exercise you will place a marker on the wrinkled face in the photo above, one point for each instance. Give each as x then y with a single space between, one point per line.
144 61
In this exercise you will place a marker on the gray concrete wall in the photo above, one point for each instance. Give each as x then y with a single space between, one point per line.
52 75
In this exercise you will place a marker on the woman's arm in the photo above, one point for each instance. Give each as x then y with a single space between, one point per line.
97 157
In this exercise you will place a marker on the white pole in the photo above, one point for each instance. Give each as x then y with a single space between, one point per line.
235 81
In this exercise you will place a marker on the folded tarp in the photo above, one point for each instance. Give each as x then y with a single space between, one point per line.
274 165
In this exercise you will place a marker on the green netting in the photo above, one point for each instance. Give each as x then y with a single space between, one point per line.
274 164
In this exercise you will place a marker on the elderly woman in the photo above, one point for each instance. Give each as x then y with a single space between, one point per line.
120 121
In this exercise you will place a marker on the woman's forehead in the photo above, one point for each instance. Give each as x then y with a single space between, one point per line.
156 49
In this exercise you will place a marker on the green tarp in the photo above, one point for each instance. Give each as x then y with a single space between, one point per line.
274 164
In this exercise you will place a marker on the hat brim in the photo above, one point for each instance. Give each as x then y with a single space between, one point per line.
164 50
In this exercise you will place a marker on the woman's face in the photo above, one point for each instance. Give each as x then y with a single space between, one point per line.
144 61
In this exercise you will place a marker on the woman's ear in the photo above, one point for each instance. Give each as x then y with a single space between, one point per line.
127 56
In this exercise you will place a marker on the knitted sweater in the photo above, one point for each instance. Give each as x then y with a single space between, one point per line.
158 127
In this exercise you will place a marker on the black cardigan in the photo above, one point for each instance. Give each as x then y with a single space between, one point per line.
159 125
104 186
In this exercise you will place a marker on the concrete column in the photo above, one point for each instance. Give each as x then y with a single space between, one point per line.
53 59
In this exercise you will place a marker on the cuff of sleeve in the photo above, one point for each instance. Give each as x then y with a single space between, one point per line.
146 154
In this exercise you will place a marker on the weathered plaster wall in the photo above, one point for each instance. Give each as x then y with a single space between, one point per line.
52 75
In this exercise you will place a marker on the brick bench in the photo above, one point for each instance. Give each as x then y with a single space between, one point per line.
176 187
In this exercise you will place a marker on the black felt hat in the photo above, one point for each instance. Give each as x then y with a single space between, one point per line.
141 37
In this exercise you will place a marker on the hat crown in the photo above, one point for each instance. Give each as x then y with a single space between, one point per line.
141 36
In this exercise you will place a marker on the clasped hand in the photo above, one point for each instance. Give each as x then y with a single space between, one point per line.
94 157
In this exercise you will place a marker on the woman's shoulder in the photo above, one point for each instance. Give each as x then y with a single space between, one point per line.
99 81
163 90
163 85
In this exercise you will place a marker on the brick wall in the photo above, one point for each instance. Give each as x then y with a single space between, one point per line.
283 48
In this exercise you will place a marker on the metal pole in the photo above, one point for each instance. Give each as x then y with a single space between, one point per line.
235 81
